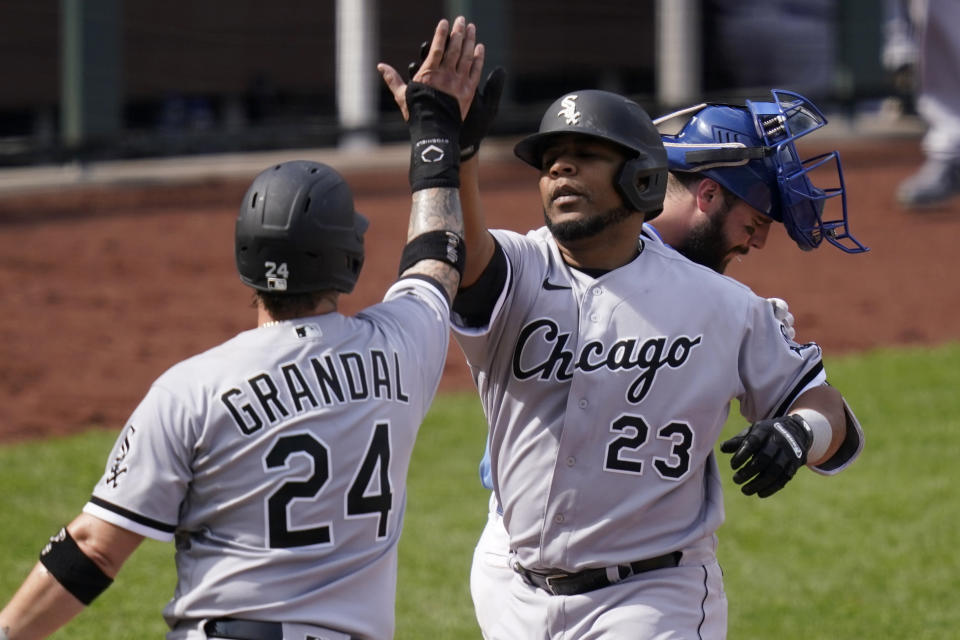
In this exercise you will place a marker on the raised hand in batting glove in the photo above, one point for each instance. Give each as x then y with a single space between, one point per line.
436 100
768 453
452 64
483 109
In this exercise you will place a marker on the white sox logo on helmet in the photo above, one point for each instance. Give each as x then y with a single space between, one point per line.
569 110
648 356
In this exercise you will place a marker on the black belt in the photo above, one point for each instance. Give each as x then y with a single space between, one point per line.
560 583
236 629
243 629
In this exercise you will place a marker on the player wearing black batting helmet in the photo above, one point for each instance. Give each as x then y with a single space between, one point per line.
606 363
298 231
279 458
607 116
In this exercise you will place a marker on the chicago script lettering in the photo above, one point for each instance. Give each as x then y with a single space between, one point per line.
648 356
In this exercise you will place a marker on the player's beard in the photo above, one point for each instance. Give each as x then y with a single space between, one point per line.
588 227
708 245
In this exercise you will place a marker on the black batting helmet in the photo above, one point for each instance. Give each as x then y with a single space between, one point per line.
642 181
298 232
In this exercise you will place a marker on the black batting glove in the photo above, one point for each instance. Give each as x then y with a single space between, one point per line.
768 453
482 113
413 66
483 110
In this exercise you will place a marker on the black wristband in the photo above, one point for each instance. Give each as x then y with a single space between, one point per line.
71 567
434 133
445 246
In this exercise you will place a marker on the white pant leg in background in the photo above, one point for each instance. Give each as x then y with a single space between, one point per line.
490 573
939 99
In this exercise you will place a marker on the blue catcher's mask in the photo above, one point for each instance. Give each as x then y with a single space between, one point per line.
750 151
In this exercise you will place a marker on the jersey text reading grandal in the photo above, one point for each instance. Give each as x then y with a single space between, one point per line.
339 378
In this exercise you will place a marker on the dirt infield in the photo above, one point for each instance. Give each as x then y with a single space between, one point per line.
105 287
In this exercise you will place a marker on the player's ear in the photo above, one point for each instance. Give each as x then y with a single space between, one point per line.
709 195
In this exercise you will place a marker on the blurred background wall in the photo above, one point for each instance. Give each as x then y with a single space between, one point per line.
95 79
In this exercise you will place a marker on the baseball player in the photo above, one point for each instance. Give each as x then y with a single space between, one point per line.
277 461
605 363
712 213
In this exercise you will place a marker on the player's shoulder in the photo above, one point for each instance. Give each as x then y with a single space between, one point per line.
535 246
651 242
206 362
510 239
189 381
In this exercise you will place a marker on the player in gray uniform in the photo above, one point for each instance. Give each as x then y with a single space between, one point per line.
605 363
712 213
277 461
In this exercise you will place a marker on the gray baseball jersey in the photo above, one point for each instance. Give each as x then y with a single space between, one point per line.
605 398
278 462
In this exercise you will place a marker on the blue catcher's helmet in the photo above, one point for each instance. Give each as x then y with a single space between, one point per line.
750 150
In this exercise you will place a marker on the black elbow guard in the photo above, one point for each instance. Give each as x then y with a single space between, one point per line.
71 567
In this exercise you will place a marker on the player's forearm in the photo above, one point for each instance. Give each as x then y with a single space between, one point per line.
828 402
40 607
437 99
43 604
478 241
433 210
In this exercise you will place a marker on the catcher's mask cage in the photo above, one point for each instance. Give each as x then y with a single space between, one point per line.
750 150
297 231
642 180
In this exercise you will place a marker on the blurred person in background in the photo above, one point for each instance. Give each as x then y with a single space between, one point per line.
750 45
936 26
898 53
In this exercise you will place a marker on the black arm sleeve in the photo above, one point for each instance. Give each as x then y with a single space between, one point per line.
474 304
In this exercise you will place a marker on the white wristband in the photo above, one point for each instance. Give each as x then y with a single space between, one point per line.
819 428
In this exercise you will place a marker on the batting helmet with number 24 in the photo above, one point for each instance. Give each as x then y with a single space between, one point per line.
298 232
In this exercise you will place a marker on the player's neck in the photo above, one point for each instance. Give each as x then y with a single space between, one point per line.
671 230
324 305
610 249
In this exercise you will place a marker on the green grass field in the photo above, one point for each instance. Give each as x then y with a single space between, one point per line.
865 554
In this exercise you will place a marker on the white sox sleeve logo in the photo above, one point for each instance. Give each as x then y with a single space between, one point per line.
119 466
